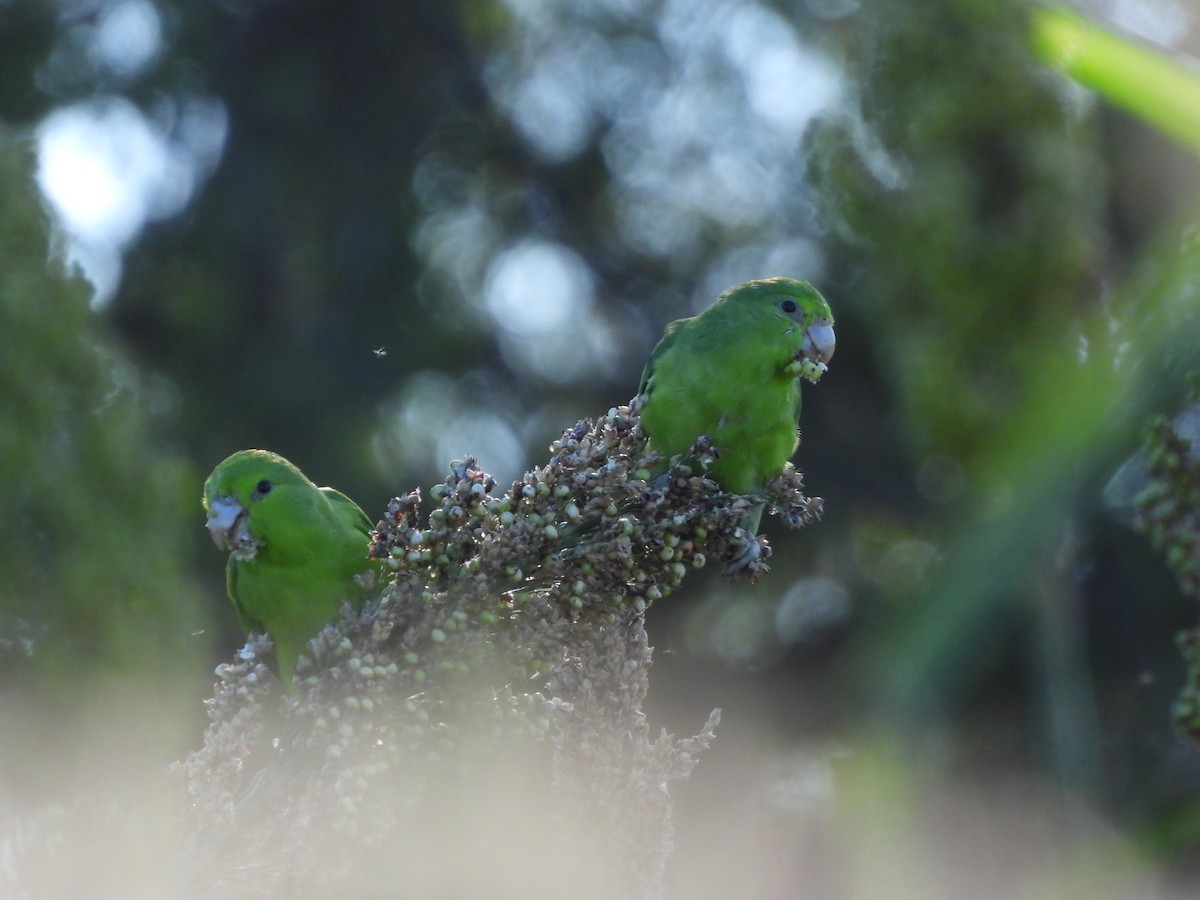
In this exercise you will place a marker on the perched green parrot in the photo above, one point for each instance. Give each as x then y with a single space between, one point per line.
296 550
732 374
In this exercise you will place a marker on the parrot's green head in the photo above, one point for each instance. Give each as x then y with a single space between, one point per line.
797 317
245 494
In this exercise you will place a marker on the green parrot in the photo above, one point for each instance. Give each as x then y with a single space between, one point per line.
296 550
732 374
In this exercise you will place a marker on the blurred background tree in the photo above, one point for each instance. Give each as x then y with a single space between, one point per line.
375 237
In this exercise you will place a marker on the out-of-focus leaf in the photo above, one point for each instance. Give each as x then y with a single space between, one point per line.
1161 91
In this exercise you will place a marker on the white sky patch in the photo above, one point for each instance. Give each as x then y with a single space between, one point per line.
538 288
107 169
128 37
97 166
787 84
541 295
554 119
587 348
1162 21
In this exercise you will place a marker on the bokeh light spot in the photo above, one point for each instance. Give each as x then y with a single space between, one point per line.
128 37
106 169
811 606
537 287
437 418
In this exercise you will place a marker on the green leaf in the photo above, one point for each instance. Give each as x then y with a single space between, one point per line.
1164 92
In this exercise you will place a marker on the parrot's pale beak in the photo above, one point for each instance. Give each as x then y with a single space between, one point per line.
819 342
817 349
227 527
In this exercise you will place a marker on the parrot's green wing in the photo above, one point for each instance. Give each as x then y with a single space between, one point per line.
670 336
350 512
248 622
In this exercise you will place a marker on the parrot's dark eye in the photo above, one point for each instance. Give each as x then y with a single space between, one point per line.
263 488
788 306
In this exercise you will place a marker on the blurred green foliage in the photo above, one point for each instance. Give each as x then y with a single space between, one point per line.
95 564
983 241
1027 347
98 600
1137 77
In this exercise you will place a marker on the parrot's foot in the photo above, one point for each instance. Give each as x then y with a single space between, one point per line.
750 557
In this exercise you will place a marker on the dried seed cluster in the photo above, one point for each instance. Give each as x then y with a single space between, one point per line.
1168 512
513 623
